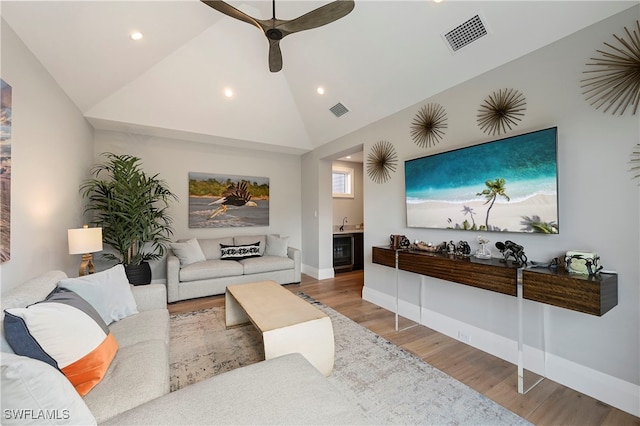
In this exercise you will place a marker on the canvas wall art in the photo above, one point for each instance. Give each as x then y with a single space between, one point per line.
227 201
5 171
508 185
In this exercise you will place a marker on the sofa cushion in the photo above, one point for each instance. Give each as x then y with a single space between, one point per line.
276 246
210 269
147 325
280 391
251 239
138 374
33 389
211 246
256 265
238 252
109 292
188 252
65 332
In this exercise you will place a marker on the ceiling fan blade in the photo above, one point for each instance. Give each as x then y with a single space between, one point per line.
231 11
318 17
275 56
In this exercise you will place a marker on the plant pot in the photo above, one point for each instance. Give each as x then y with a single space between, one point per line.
138 274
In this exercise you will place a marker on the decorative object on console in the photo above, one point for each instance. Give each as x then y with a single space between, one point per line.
223 201
616 81
511 249
132 210
582 262
381 162
501 110
399 241
429 247
427 127
85 241
463 249
483 252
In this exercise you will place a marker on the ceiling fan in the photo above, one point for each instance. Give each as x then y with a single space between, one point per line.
277 29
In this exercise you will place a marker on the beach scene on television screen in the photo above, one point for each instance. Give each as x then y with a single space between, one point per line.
508 185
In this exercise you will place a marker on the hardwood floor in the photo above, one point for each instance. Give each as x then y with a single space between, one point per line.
549 403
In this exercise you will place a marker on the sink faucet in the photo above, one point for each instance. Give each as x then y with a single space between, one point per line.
343 222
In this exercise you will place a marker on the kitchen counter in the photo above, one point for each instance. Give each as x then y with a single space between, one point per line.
349 231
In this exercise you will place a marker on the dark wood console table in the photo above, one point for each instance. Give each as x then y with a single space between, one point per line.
594 295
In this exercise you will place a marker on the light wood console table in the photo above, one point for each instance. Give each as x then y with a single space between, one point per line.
593 295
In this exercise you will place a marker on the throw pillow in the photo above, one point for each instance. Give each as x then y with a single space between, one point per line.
276 246
240 252
188 252
65 332
241 240
109 292
36 393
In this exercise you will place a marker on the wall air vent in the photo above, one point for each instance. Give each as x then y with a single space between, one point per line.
339 110
465 33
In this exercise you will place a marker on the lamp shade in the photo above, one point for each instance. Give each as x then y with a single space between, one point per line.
84 240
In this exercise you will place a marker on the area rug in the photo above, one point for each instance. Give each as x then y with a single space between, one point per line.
389 384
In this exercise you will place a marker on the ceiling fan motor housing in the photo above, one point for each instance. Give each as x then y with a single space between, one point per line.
274 34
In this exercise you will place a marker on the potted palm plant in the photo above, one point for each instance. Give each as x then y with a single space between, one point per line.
132 210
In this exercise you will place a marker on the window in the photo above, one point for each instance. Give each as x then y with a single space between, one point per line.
342 182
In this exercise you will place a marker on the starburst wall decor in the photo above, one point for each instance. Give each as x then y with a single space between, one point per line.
616 80
500 111
381 161
427 127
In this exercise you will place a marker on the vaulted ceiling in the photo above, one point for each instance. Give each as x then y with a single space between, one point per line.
381 58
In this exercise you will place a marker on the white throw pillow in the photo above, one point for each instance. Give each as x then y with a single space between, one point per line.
188 252
276 246
109 292
33 392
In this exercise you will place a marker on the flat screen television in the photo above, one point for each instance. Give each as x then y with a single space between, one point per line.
507 185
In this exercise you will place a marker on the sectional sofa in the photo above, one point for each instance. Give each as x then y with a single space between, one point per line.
135 386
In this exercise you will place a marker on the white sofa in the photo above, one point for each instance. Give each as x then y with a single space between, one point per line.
188 279
135 388
140 370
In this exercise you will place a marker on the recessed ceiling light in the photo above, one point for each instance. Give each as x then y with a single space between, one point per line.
136 36
320 90
228 92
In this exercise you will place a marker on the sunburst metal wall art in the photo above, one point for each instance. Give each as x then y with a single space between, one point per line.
501 110
616 75
427 127
381 161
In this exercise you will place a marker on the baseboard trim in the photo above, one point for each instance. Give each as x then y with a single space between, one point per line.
318 274
603 387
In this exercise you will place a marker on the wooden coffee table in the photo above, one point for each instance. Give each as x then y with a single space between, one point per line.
288 324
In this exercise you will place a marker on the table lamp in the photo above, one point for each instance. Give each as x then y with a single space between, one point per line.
85 241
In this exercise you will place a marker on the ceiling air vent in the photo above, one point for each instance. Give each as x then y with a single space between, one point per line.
339 110
465 33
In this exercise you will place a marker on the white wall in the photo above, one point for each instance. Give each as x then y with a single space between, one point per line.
52 152
173 159
598 212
